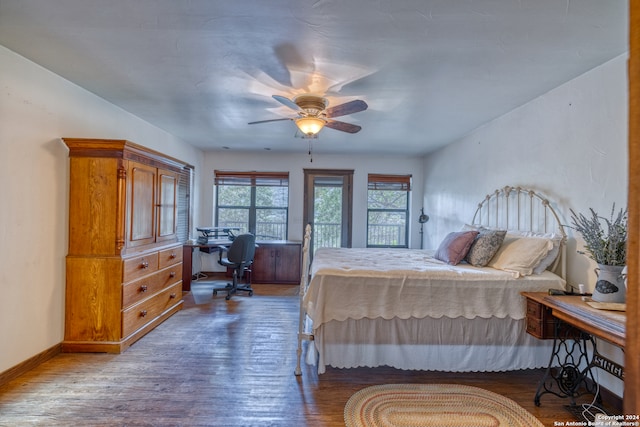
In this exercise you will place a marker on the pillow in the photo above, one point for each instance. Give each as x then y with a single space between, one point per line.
547 261
485 247
520 255
455 246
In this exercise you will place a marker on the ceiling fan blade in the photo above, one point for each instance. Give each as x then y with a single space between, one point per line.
286 101
267 121
343 126
350 107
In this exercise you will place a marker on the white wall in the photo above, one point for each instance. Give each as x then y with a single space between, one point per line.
37 108
295 165
569 144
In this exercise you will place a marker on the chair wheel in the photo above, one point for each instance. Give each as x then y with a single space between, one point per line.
215 293
250 293
228 297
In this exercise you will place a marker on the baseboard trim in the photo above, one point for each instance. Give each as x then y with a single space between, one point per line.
29 364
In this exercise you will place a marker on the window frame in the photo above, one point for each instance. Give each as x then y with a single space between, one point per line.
253 180
346 175
386 182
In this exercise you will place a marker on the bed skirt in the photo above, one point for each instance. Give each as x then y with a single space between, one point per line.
444 344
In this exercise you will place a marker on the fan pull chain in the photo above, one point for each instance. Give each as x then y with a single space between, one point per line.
310 153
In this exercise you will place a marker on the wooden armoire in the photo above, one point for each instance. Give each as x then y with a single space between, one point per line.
124 264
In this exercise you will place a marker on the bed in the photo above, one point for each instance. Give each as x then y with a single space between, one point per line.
429 309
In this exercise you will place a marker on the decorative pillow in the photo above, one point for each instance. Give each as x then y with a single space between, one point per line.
485 247
455 246
520 255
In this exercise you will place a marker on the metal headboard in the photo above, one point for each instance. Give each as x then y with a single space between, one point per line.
517 208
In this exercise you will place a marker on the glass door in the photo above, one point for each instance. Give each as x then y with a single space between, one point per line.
328 205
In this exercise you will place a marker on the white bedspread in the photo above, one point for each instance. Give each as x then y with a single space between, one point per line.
404 283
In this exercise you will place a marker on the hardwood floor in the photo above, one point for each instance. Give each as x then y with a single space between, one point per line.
221 364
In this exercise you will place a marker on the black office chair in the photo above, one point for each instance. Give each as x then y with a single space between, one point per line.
239 258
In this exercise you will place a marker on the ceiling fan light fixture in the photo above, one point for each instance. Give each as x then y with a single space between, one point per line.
310 125
313 114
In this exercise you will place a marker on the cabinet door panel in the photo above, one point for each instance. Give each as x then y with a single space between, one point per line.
167 202
142 182
262 270
287 267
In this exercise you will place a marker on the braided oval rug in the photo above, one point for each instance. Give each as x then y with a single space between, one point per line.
431 405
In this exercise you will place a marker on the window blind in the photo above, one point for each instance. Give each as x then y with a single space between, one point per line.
253 179
389 182
184 204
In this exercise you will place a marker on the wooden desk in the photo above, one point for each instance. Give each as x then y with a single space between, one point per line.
605 324
276 261
187 259
567 312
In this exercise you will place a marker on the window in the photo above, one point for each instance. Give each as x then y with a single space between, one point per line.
255 202
388 210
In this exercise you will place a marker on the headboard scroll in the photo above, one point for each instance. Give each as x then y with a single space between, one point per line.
517 208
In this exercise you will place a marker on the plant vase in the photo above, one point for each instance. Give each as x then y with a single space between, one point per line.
610 285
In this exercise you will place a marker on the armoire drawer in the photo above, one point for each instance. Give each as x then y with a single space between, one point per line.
140 314
140 266
140 289
169 256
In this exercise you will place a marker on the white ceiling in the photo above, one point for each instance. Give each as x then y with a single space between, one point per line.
430 70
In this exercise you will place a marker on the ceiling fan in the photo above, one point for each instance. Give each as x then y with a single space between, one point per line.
314 114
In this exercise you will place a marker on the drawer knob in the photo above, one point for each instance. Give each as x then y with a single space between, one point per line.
173 255
172 274
144 265
143 288
172 296
143 313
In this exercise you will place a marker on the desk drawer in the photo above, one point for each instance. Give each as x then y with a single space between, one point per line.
139 315
534 309
169 256
545 329
540 321
537 328
140 289
140 266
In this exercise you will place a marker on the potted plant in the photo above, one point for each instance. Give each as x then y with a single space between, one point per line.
605 243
